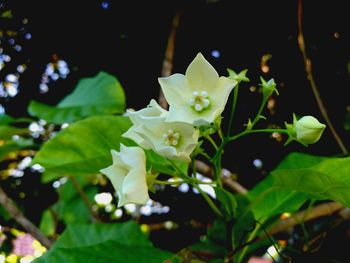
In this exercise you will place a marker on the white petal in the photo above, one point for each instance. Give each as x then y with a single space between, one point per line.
153 110
223 89
131 134
135 188
133 157
189 115
200 74
176 89
116 175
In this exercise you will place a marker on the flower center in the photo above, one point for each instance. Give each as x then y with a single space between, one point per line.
171 138
199 100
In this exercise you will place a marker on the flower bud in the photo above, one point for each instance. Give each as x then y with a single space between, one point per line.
308 130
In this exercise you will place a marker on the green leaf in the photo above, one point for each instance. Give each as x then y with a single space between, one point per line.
7 131
104 243
100 95
330 179
5 119
127 233
161 164
83 148
228 201
267 201
13 146
105 252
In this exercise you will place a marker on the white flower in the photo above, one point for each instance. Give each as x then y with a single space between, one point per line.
152 111
128 175
198 97
308 130
173 140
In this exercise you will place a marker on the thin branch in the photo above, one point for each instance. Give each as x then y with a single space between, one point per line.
206 170
16 214
169 56
85 199
324 209
310 77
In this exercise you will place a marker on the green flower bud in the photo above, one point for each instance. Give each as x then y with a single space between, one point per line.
268 87
308 130
240 77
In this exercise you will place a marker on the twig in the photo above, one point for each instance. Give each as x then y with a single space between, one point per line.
206 170
84 198
19 217
310 77
325 209
169 56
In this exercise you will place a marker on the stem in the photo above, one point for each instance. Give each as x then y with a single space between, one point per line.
85 199
213 143
180 174
249 239
193 180
169 56
310 77
19 217
209 201
234 103
235 137
261 108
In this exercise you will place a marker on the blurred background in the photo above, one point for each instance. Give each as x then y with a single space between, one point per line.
47 46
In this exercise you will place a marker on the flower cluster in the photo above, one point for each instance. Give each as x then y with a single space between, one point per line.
196 101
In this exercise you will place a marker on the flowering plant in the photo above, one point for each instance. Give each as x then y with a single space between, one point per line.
143 151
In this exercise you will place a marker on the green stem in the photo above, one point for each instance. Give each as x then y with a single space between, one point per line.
193 180
235 137
206 156
249 239
209 201
213 143
180 174
234 103
261 108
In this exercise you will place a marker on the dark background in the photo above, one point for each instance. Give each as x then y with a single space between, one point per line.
128 39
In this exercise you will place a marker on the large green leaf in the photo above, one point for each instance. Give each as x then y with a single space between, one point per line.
267 201
104 243
106 252
127 233
100 95
330 179
84 148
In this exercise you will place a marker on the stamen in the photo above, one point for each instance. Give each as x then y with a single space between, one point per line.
199 100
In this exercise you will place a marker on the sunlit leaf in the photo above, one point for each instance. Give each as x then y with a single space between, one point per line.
99 95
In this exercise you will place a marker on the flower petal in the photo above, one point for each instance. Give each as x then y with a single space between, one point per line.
223 88
116 175
153 110
189 115
176 89
131 134
132 156
200 74
135 188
